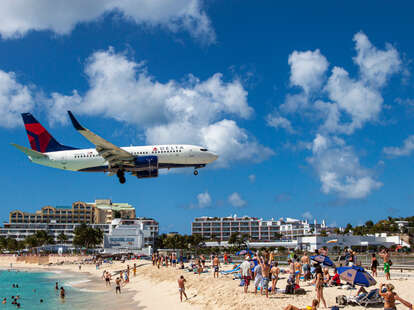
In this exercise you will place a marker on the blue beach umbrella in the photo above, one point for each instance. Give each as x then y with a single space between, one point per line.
244 252
356 276
324 260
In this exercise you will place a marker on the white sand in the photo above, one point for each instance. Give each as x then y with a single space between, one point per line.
158 289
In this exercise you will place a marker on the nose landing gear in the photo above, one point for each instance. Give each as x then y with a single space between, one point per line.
121 176
195 172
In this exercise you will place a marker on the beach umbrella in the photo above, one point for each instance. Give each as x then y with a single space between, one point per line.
244 252
324 260
356 275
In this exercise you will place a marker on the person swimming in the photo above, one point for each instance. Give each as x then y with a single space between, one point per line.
62 292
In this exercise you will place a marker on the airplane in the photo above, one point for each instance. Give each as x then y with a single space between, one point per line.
140 161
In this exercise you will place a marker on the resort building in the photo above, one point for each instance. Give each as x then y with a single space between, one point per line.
64 219
98 212
311 243
221 228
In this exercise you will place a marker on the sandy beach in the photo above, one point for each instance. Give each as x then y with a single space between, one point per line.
154 288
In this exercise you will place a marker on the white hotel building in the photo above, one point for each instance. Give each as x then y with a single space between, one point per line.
258 229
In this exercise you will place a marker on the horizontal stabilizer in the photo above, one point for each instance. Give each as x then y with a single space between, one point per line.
29 152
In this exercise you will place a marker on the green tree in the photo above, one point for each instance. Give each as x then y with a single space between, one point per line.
87 237
43 237
62 238
3 243
116 214
31 241
12 244
323 233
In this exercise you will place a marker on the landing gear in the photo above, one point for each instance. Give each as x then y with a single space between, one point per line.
121 176
195 172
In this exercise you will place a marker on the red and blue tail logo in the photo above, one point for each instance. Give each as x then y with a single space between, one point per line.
40 139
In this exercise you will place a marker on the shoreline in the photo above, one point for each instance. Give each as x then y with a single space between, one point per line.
84 281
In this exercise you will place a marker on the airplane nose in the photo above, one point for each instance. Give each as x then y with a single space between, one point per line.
213 156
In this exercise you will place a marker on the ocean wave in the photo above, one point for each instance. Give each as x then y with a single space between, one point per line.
77 282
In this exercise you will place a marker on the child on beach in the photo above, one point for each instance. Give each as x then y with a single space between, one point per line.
181 288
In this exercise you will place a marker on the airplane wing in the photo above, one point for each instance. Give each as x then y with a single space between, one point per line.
115 156
29 152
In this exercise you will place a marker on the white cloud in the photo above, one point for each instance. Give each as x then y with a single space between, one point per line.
307 69
236 200
307 215
405 150
360 102
339 169
343 104
277 121
252 178
204 200
15 98
191 112
375 66
18 17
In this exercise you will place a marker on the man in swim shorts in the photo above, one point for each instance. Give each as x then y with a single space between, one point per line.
181 288
216 266
118 286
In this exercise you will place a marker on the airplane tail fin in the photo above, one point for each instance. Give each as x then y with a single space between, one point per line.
40 139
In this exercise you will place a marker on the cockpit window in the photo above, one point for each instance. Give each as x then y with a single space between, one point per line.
203 150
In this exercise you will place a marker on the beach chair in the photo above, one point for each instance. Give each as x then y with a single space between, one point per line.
364 300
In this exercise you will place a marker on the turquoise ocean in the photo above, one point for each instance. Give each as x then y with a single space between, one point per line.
34 286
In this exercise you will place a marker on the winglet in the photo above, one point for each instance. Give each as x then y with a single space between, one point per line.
75 122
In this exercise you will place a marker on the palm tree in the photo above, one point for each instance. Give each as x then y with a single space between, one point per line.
3 243
31 241
62 238
44 238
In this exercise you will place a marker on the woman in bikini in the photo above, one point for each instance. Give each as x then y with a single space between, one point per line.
275 276
319 285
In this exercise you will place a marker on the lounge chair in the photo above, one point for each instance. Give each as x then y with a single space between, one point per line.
364 300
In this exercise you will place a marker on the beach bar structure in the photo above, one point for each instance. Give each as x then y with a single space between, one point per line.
127 236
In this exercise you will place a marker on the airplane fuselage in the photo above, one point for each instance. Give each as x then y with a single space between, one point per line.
169 156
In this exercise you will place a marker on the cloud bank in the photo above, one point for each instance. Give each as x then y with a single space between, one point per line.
19 17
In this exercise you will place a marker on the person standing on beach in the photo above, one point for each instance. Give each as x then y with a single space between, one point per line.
258 277
275 276
385 255
107 279
246 272
319 284
216 266
306 265
118 286
135 269
181 288
374 265
265 264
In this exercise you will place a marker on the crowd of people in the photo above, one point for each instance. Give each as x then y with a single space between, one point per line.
264 273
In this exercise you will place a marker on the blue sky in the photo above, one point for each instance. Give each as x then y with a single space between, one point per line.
310 106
